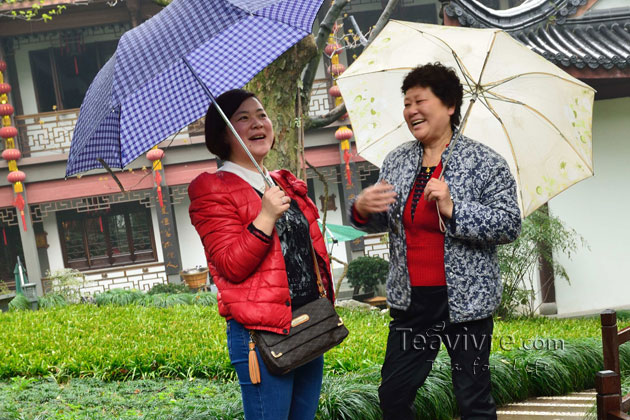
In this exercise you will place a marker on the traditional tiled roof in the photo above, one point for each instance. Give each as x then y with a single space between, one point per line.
596 39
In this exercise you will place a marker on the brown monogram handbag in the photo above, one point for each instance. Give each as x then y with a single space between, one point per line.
316 328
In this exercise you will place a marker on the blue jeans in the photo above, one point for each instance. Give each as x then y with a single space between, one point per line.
293 396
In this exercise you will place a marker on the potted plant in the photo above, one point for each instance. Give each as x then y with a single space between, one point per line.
365 274
6 296
195 278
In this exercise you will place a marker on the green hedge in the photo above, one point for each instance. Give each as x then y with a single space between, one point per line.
188 341
126 342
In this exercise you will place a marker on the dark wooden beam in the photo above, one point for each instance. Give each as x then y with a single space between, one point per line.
94 14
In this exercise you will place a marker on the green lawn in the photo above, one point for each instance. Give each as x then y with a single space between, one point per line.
123 362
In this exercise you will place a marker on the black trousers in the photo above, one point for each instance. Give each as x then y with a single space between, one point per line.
414 340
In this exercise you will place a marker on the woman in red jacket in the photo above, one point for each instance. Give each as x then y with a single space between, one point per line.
257 242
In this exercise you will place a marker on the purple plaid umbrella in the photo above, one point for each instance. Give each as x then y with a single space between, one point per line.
166 71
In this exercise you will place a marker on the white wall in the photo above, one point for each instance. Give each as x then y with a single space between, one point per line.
598 209
55 255
190 245
332 217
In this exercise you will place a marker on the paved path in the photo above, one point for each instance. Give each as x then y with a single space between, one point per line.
569 407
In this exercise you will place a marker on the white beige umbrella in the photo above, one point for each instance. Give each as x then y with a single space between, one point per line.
531 112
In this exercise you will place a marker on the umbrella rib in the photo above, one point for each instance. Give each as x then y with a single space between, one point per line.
509 140
541 115
384 135
493 85
389 69
467 76
485 61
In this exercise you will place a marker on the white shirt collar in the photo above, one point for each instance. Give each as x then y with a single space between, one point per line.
253 178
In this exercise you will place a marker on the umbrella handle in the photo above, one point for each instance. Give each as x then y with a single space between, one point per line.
227 122
450 151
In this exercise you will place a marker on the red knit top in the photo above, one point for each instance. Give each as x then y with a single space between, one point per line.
425 241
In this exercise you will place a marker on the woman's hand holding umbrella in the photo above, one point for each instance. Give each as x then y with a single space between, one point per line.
274 203
437 190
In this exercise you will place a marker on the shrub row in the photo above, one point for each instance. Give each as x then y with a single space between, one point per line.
135 341
347 396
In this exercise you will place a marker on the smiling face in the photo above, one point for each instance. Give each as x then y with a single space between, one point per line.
255 129
428 119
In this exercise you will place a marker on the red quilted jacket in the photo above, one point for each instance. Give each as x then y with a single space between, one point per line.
250 275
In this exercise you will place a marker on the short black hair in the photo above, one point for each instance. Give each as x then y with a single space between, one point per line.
442 81
215 126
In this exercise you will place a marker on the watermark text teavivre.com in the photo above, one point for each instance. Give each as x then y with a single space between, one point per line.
434 337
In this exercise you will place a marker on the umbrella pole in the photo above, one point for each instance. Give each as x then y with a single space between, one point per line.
460 130
227 122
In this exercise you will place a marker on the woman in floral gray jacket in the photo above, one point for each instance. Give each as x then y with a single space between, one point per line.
444 282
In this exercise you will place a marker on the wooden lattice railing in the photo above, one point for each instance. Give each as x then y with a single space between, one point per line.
611 405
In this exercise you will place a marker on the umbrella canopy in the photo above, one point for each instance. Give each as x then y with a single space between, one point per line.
341 233
531 112
152 85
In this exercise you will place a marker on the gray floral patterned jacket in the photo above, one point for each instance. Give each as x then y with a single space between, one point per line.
486 214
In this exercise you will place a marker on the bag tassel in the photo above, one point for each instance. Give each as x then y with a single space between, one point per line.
254 368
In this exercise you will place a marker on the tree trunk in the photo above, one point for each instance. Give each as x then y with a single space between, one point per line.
277 87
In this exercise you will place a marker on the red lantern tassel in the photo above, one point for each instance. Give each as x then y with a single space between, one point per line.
158 182
4 236
100 223
76 66
346 158
19 204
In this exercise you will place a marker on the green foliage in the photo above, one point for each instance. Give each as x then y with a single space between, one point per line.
52 300
170 288
118 297
115 343
121 297
350 397
56 361
542 235
19 303
367 273
4 289
34 12
66 282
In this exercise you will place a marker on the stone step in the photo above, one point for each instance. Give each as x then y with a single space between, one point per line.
567 407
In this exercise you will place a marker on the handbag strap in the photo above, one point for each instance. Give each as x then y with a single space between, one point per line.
320 286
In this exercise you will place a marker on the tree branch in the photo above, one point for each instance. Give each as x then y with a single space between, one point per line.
322 121
343 275
335 114
325 29
382 20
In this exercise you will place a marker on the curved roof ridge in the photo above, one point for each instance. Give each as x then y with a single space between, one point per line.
532 12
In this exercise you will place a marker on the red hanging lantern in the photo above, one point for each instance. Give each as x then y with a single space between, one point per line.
16 176
8 132
6 109
11 154
343 133
3 65
5 88
334 91
337 69
155 154
331 49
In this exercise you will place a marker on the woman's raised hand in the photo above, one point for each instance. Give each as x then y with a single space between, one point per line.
274 203
375 199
